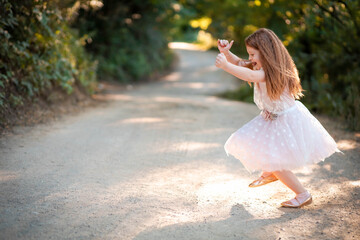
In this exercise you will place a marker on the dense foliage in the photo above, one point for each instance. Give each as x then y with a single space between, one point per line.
323 36
38 52
62 44
127 37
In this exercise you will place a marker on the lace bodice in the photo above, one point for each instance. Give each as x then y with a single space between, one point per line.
263 101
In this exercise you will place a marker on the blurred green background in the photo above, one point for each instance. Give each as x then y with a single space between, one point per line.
46 45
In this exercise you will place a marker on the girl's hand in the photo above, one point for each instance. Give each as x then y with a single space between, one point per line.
268 115
265 115
220 61
224 45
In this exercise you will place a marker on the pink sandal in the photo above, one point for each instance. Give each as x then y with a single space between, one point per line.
300 200
263 180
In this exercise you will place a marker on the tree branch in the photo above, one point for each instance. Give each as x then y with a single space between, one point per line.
353 18
330 12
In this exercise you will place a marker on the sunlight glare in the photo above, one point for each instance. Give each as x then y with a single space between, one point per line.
224 190
185 46
346 144
143 120
355 183
193 146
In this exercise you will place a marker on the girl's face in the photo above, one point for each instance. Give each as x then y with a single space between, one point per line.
254 57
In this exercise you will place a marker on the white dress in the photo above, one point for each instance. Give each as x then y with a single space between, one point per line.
292 139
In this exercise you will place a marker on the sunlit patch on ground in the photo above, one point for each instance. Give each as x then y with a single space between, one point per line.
355 183
7 176
224 191
169 99
142 120
116 97
346 144
187 146
195 85
172 77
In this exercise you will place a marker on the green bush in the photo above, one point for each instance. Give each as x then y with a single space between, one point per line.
39 52
326 43
128 38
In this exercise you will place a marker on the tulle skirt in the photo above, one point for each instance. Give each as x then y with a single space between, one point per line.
291 141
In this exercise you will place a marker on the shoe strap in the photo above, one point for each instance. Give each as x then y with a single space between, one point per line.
295 202
304 198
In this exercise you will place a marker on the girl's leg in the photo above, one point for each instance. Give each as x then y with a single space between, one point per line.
266 174
290 180
302 197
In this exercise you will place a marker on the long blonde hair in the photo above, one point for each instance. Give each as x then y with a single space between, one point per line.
279 67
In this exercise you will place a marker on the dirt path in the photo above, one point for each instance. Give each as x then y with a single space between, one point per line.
151 165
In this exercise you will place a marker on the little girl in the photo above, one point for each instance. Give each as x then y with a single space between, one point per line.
285 135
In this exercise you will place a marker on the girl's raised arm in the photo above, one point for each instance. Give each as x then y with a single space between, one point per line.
234 59
224 47
243 73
